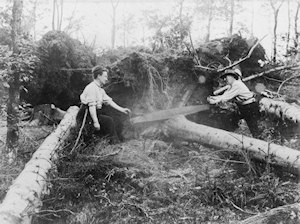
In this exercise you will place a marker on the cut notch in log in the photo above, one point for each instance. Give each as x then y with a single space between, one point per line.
24 196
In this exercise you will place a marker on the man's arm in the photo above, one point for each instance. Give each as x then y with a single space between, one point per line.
226 96
93 113
117 107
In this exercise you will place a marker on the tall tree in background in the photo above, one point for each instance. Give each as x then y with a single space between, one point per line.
181 20
275 5
207 9
127 24
228 7
34 18
57 14
114 4
296 25
73 22
14 81
288 27
231 17
30 16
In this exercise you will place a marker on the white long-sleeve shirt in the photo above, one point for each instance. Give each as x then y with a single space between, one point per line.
237 90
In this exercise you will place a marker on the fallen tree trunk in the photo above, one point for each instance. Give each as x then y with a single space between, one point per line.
284 214
280 109
180 127
24 196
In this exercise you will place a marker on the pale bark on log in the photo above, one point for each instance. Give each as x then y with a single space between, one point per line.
24 196
284 214
280 109
180 127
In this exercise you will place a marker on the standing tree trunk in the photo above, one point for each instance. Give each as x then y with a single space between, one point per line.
275 36
296 25
34 15
210 16
53 14
61 14
231 17
275 12
113 29
180 20
289 28
57 15
14 83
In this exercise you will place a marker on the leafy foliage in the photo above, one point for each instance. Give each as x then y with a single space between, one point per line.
170 31
24 62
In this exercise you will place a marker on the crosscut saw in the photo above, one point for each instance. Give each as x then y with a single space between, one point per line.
168 113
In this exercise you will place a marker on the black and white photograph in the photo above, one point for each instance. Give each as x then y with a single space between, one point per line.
150 111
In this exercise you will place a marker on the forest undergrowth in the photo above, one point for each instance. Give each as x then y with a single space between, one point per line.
156 181
152 181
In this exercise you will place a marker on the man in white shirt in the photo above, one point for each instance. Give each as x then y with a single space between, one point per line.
245 100
92 99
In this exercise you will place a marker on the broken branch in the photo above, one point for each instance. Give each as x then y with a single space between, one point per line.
235 63
243 59
288 79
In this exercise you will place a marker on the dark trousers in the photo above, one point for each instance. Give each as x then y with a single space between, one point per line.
250 113
107 125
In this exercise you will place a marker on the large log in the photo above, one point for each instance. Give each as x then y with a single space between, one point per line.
280 109
24 196
180 127
284 214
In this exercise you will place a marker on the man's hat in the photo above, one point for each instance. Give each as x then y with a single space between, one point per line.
234 72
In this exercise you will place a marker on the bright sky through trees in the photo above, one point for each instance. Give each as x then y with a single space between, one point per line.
94 20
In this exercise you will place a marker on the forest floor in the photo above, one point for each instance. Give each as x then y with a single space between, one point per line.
162 181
